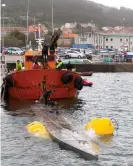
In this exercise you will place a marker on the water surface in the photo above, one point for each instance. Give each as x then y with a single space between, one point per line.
111 96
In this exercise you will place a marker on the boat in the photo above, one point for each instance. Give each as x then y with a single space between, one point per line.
87 83
86 73
30 84
62 131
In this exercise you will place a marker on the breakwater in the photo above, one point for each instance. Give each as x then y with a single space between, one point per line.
105 67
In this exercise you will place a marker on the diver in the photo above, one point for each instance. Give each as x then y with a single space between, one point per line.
46 96
48 102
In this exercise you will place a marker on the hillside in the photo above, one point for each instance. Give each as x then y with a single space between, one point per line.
67 11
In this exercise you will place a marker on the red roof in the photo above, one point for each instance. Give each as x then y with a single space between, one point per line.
69 35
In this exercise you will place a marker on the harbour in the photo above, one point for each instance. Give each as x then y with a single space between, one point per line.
66 84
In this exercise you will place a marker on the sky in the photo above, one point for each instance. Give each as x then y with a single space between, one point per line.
116 3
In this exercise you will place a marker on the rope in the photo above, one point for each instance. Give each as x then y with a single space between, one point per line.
112 119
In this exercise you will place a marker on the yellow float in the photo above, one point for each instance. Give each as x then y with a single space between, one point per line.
38 129
101 126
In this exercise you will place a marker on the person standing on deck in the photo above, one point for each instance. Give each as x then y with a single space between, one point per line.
59 64
45 53
18 65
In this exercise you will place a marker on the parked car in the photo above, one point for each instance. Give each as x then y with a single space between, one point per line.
78 49
74 54
88 51
23 49
14 50
61 54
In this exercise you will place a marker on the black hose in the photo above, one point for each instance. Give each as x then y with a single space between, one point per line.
2 90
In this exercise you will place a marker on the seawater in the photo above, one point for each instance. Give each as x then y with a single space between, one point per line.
110 96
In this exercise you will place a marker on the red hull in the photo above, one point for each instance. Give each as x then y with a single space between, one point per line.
26 84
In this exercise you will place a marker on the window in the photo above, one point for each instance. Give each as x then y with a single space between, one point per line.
83 39
89 34
111 39
106 46
111 47
17 49
69 51
126 40
121 40
106 39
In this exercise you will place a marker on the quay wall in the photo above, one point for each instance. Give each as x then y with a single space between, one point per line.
101 67
105 67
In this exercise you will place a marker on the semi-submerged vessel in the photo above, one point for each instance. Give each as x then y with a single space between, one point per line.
67 136
30 84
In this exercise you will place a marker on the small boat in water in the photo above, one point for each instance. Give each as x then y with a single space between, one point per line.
87 83
86 73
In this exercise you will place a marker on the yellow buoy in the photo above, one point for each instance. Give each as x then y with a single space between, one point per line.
101 126
37 128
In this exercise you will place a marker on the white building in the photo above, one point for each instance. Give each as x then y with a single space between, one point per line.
103 40
86 38
117 40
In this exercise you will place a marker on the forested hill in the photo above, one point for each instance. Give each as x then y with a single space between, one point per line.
67 11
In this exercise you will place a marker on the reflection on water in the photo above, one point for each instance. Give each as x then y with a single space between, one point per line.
26 108
106 139
18 108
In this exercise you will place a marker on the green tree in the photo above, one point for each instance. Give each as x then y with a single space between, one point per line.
18 35
18 39
13 42
32 39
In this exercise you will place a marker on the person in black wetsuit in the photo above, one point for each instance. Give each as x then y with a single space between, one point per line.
49 102
46 96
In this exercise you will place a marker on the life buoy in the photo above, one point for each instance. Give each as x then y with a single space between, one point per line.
78 83
67 78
